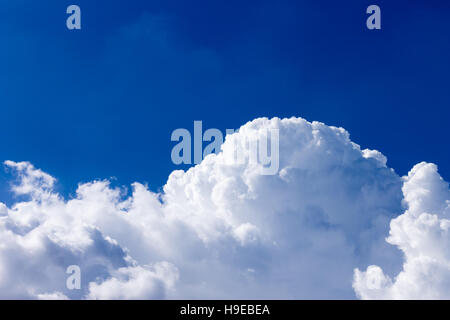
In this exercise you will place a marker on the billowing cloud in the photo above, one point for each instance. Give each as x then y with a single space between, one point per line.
136 282
423 234
218 230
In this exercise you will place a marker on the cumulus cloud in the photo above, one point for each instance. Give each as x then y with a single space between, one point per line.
422 233
218 230
136 283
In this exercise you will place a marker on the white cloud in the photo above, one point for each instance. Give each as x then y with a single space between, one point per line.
217 230
136 283
29 178
423 234
52 296
3 209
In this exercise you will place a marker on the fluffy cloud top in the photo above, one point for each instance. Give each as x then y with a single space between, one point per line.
423 234
220 230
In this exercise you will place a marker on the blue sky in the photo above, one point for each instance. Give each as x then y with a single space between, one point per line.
103 101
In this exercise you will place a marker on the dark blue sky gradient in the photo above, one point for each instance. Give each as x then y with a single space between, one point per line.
103 101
